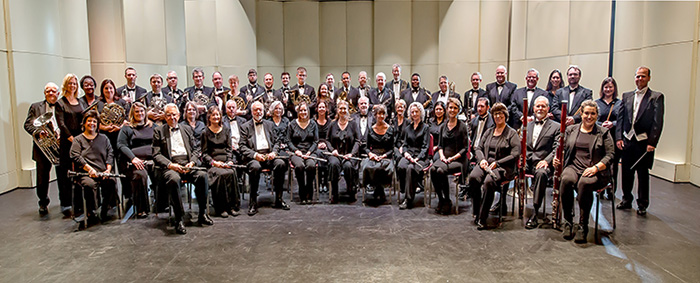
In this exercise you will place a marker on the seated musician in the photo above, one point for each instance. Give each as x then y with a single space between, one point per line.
191 118
451 154
497 152
302 135
588 150
91 152
135 142
323 122
413 152
343 143
542 141
234 122
175 151
217 155
260 152
380 149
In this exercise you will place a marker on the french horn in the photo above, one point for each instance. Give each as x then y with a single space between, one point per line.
113 114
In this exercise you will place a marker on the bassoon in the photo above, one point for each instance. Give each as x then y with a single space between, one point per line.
522 186
557 170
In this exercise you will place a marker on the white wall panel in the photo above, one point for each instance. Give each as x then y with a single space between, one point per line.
270 34
235 38
37 24
589 27
144 25
547 29
200 30
333 39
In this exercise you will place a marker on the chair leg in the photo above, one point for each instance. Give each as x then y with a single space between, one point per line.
318 188
597 216
612 206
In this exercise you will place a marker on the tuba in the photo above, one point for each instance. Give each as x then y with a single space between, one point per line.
113 114
48 144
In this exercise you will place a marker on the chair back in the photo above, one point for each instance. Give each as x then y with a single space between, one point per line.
430 146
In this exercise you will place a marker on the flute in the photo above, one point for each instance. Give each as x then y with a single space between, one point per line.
308 157
342 156
99 174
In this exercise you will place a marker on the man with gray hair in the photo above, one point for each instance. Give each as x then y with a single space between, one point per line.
382 95
532 92
171 87
444 92
397 85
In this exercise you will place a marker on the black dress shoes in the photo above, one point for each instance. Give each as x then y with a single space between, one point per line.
252 211
180 228
624 205
204 219
532 222
480 225
43 210
642 211
281 204
581 233
567 231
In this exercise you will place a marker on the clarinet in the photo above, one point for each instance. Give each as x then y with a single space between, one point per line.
558 170
522 186
99 174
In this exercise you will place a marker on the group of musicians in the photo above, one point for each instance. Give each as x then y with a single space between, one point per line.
211 136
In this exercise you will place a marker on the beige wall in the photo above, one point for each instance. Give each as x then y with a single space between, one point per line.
47 39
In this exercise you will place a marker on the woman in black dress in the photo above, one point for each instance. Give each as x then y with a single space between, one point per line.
92 153
554 83
380 149
192 119
343 143
324 96
435 124
302 135
497 152
609 107
69 116
450 156
281 123
413 152
324 124
134 142
217 155
397 122
588 151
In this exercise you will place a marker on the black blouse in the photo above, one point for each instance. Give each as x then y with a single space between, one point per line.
280 131
216 146
399 130
305 140
415 140
380 144
435 127
323 130
344 141
454 141
197 130
136 142
69 118
604 109
96 152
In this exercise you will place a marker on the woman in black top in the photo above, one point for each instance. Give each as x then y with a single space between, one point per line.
302 135
397 122
609 107
87 83
69 116
497 152
324 96
380 149
134 142
92 153
281 123
554 83
323 123
435 123
191 119
343 143
107 89
413 152
588 151
450 156
217 155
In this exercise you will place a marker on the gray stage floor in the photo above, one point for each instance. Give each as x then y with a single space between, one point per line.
350 243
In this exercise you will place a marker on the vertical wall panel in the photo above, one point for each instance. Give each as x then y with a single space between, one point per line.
360 44
301 37
144 25
270 34
589 27
235 37
200 23
425 42
392 34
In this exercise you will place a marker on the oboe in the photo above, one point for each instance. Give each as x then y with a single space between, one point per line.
557 171
99 174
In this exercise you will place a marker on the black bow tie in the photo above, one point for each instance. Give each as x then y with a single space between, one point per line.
531 89
501 85
51 104
482 118
130 89
539 122
198 89
573 90
363 116
396 82
442 94
258 123
175 129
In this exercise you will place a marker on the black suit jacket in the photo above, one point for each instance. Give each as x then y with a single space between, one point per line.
649 120
121 90
437 94
422 97
247 143
258 90
547 142
161 145
506 93
474 124
146 99
172 93
602 149
355 96
308 90
356 120
402 85
516 104
35 110
582 94
190 91
386 97
479 94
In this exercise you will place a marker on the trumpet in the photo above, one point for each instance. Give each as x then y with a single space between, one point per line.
49 144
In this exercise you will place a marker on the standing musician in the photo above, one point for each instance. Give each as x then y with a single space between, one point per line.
474 94
324 96
129 92
532 92
639 129
350 91
87 83
362 89
258 148
92 153
43 164
378 169
253 89
414 153
134 142
217 155
451 155
197 89
172 90
302 135
382 95
498 151
69 116
330 81
282 94
154 113
588 150
443 94
609 106
397 85
501 90
416 93
269 92
542 141
236 92
574 93
302 86
343 143
175 151
219 94
553 84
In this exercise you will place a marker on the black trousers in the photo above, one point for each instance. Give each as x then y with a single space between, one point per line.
89 186
632 151
224 188
305 171
584 186
335 165
139 184
378 174
478 178
278 167
539 182
171 186
65 184
43 172
409 175
438 173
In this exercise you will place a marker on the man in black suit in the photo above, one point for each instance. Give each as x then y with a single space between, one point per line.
330 81
362 89
352 94
532 92
397 85
282 94
268 94
219 92
444 93
639 126
171 89
197 89
43 164
574 93
542 141
174 151
501 90
382 95
302 87
130 92
364 120
482 121
253 89
416 93
471 96
155 112
258 148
